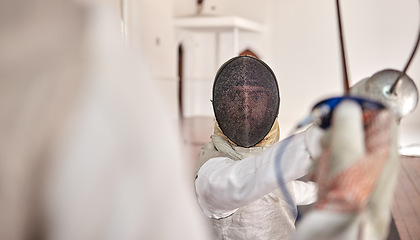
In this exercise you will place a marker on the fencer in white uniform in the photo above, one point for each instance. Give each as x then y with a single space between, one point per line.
246 181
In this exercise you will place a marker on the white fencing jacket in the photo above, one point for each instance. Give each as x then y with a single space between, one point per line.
231 191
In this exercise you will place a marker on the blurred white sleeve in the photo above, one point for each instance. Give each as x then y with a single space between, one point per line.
117 170
223 185
305 192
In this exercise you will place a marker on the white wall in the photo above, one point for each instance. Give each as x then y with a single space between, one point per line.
184 8
304 56
151 33
379 34
251 9
301 45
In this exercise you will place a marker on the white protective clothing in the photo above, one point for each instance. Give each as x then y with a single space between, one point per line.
82 130
243 197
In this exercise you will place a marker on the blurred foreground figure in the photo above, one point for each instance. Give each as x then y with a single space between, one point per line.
356 174
247 181
80 145
358 167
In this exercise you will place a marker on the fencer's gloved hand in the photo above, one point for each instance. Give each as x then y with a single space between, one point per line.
355 150
355 172
322 111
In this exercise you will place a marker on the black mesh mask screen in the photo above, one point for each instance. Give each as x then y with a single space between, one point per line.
245 100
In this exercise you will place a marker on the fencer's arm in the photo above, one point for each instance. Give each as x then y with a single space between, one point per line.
223 185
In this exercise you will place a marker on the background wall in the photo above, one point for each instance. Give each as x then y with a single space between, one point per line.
300 42
378 34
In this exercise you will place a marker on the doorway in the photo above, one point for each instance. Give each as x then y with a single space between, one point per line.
180 80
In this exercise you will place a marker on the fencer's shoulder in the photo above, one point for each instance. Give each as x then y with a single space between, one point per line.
207 148
206 153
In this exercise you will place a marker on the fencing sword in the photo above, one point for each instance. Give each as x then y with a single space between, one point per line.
392 88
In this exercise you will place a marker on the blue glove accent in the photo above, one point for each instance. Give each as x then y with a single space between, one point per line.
322 111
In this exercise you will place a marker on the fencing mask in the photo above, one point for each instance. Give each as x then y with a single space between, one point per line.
245 100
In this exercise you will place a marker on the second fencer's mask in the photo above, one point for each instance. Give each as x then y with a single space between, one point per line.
245 100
